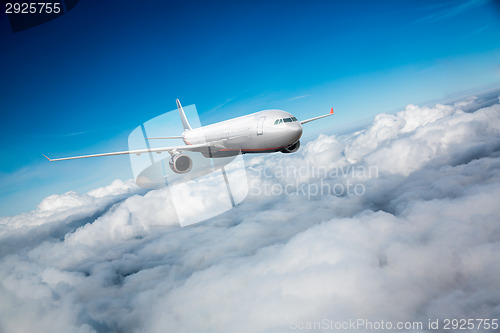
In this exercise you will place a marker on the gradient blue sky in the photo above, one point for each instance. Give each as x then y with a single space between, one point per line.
82 82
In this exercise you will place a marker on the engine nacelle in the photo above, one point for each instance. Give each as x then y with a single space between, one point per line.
292 149
181 163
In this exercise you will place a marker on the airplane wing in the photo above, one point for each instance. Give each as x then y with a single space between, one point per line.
200 147
316 118
165 137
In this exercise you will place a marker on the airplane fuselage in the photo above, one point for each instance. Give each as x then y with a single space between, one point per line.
261 132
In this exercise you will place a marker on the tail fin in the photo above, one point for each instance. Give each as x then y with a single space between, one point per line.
184 120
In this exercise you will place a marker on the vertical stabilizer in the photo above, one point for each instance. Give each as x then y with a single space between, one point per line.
184 120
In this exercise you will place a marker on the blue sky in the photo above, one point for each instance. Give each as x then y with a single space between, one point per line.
82 82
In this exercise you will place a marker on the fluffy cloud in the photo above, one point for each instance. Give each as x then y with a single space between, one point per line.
419 240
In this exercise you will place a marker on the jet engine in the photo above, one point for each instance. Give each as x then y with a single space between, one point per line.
181 163
292 149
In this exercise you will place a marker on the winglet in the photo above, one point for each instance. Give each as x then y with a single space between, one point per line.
316 118
47 157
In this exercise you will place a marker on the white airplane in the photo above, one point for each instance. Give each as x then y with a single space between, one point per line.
265 131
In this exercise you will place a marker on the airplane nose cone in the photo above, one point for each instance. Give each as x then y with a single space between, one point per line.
298 130
295 132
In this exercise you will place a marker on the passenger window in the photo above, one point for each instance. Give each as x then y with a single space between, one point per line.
287 120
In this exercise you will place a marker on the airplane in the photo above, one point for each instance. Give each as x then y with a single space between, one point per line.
265 131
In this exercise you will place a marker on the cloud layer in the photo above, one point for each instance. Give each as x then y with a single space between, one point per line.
419 240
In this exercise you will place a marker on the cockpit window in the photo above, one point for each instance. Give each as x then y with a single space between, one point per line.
286 120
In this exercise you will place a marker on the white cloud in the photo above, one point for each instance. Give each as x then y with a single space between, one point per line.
422 242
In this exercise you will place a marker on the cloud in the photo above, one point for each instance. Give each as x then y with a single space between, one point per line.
446 11
58 215
420 241
298 97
